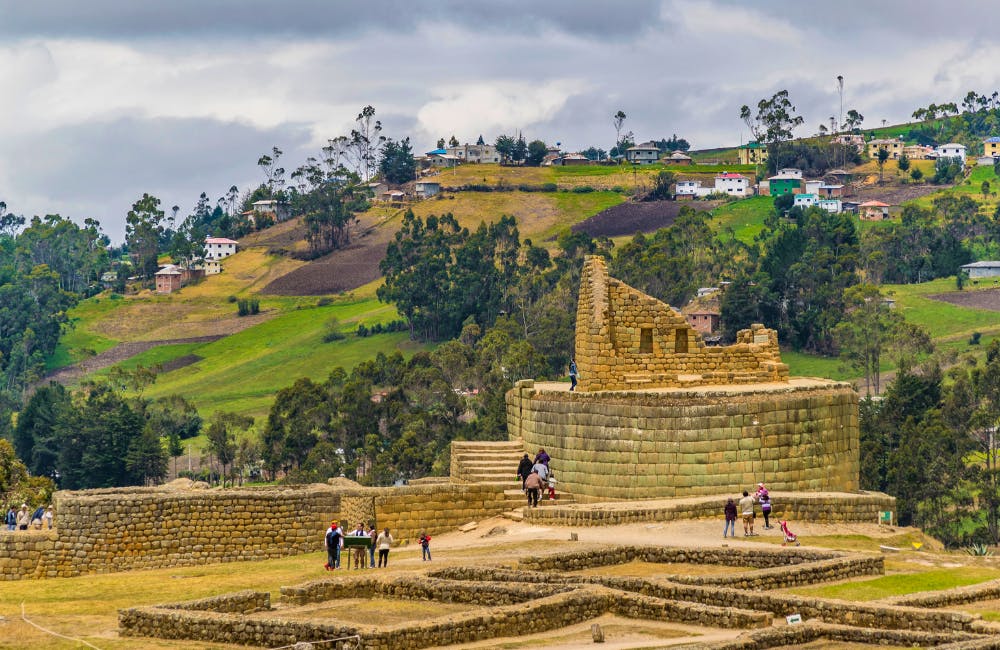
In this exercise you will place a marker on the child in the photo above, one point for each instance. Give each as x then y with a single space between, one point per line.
552 486
765 507
425 546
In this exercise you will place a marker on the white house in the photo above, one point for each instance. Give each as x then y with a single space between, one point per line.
643 154
217 248
691 189
212 267
833 206
988 269
812 187
427 189
789 172
474 153
732 184
951 150
805 200
280 211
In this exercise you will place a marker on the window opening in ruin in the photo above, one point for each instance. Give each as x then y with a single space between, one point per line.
646 340
680 341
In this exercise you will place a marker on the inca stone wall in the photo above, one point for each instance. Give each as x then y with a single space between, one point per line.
101 531
627 339
608 445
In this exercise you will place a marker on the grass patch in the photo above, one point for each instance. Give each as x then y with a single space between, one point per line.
744 219
801 364
971 187
243 371
941 319
902 583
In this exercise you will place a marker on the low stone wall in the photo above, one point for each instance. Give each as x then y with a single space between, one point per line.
801 506
241 602
20 551
418 588
617 445
779 604
776 569
102 531
538 614
798 635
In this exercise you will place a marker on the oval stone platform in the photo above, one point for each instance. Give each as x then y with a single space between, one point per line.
795 436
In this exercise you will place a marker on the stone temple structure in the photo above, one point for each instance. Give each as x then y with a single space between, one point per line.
657 413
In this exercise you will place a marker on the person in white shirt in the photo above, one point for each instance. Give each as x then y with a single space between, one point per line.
384 543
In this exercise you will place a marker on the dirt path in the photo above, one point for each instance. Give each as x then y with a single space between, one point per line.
117 354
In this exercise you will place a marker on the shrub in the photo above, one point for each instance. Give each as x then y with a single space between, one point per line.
247 307
549 187
324 301
333 335
974 339
582 189
231 299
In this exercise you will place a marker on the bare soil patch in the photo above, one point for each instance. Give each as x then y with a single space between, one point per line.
988 299
373 611
180 362
630 218
639 569
894 194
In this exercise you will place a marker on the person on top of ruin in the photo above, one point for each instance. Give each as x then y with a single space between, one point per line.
11 519
746 508
523 469
47 517
730 526
572 374
533 484
371 549
333 542
23 517
542 457
384 543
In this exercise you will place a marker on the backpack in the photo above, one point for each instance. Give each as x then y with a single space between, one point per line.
332 537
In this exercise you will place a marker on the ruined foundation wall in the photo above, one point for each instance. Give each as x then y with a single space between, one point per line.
612 445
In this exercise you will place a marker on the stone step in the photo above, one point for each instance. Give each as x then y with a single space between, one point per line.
504 463
488 446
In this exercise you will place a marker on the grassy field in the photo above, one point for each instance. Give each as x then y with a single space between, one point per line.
902 583
745 218
971 187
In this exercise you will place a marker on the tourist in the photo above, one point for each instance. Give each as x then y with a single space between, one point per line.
761 491
333 543
730 526
572 374
371 549
48 517
425 546
384 543
542 457
746 507
11 519
23 517
523 469
541 469
36 518
765 508
359 552
551 481
533 485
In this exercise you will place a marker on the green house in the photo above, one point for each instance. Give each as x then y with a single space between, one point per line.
784 184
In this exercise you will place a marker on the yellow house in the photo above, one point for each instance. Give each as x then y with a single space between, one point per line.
752 153
894 146
991 146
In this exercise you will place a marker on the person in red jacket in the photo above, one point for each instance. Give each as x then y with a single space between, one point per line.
425 546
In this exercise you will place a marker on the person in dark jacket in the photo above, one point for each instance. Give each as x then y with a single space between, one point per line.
542 457
524 469
730 526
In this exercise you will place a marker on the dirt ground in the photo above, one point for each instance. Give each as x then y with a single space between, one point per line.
630 218
988 299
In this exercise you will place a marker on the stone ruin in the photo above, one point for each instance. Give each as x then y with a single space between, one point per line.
627 339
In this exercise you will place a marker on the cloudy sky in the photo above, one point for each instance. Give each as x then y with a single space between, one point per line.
107 99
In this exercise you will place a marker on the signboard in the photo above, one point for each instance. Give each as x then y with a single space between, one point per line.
885 517
761 339
794 619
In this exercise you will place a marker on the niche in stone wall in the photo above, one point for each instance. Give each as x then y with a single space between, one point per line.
645 340
680 340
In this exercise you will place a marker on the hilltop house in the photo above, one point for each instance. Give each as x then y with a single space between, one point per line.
873 211
217 248
426 189
569 160
441 158
985 269
991 146
833 206
790 171
168 279
805 200
732 184
691 189
279 210
830 190
678 158
893 145
850 140
751 153
703 313
474 153
784 183
646 153
918 151
951 150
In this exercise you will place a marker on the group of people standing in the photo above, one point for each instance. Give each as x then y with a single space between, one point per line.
23 518
334 543
536 476
746 510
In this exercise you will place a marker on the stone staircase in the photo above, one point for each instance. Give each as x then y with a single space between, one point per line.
495 463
